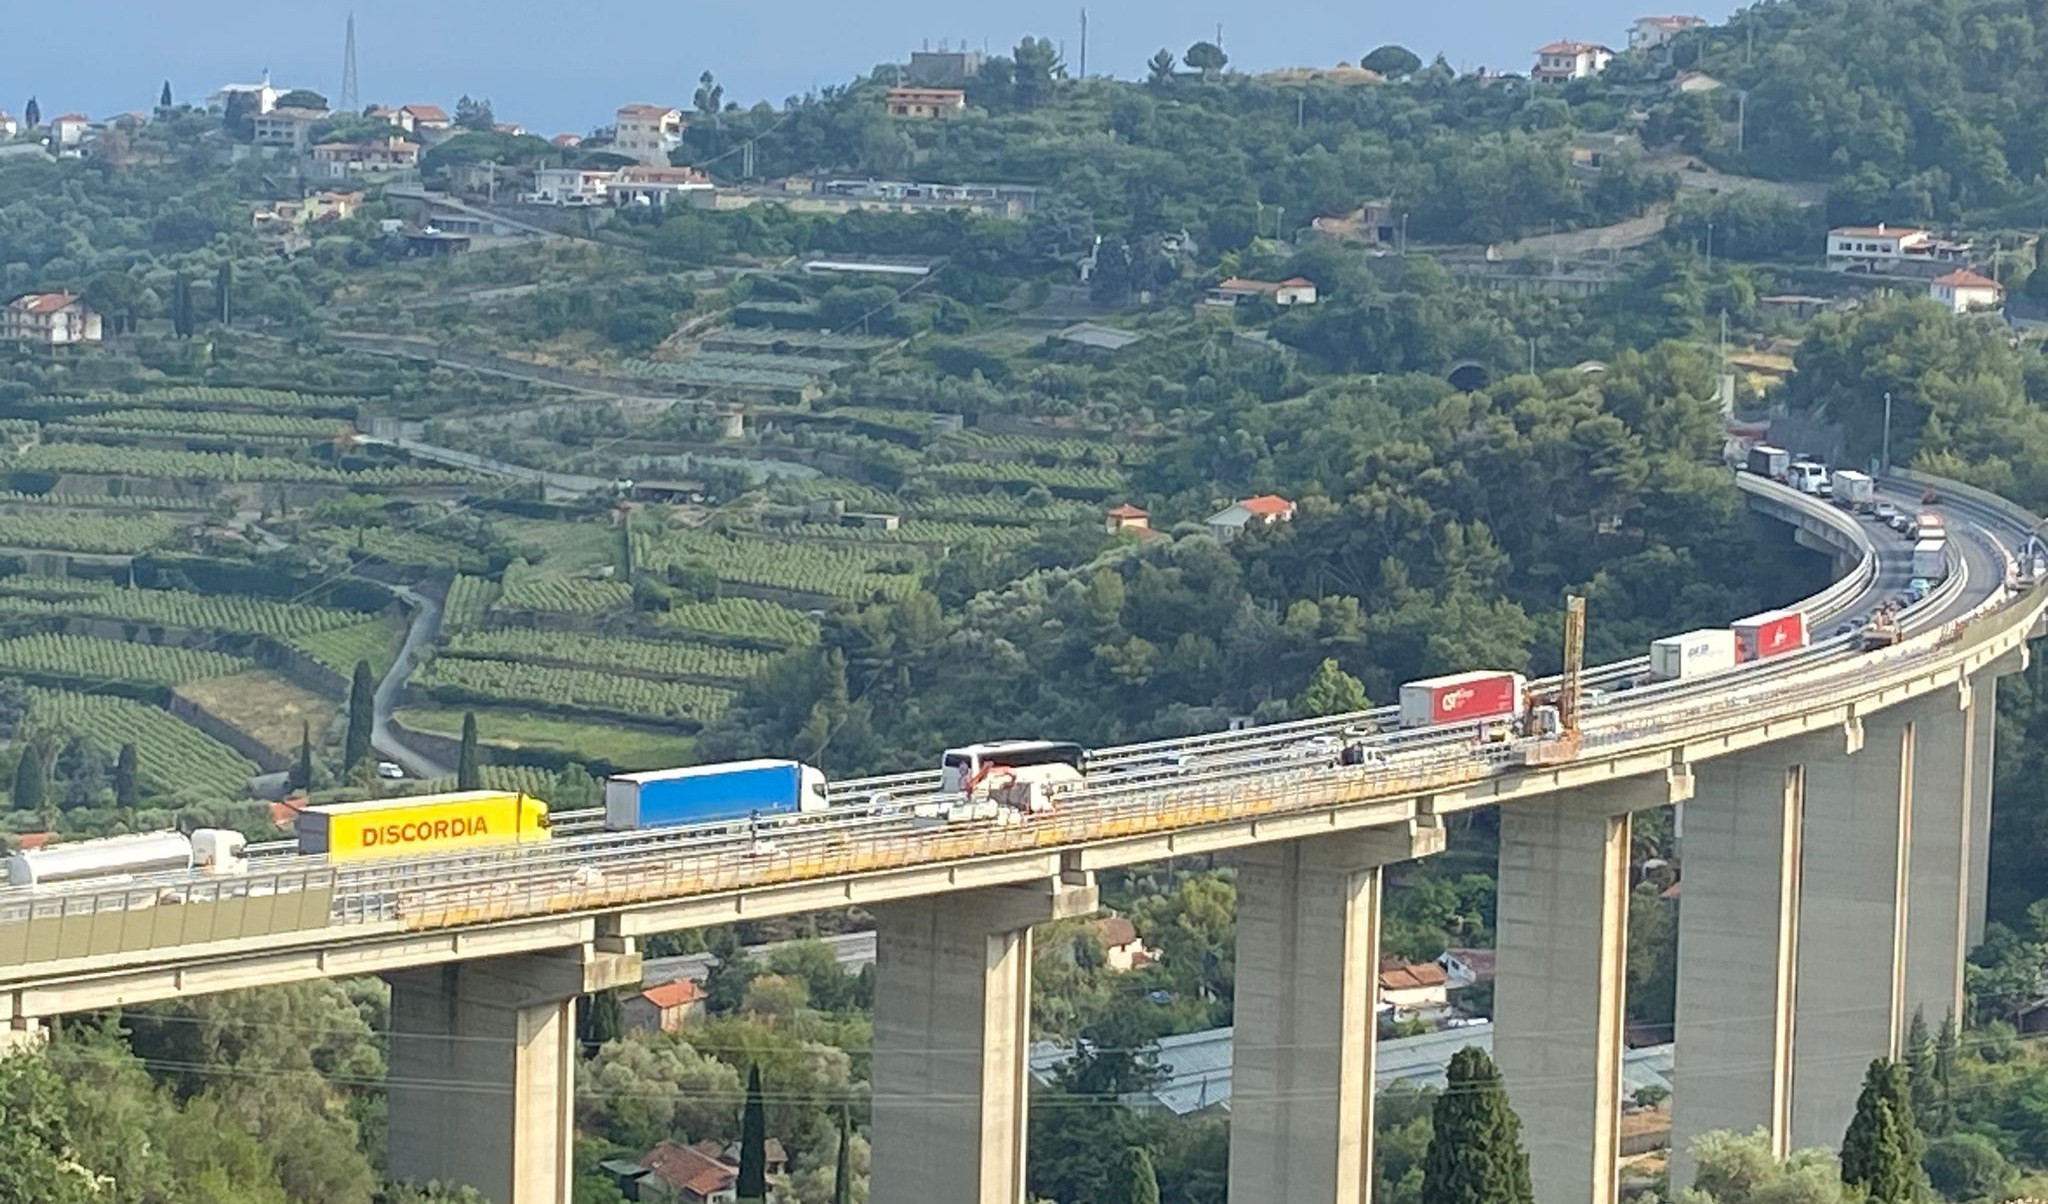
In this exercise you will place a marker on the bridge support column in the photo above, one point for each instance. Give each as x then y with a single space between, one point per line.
1983 753
1738 919
1855 852
483 1070
1941 877
1308 939
1563 926
952 1030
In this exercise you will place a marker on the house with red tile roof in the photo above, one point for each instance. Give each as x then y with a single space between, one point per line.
669 1006
49 319
1964 290
1264 510
1295 290
1563 62
680 1174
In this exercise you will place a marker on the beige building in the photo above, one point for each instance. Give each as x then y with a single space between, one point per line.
1562 62
286 128
341 160
649 133
1964 290
926 104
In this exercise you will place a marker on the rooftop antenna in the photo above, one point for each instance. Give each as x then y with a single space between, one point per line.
350 101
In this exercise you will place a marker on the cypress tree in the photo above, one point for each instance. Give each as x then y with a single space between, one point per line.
842 1174
127 766
1944 1076
1880 1151
32 116
1136 1182
467 775
181 307
301 776
753 1181
163 102
223 290
1920 1067
1475 1152
602 1020
362 716
31 784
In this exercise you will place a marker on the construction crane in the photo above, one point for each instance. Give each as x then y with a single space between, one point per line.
1555 724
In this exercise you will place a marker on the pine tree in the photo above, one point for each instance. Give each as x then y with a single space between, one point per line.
1330 691
301 776
1475 1151
127 767
1881 1150
31 782
753 1181
1136 1183
467 775
163 102
842 1173
362 717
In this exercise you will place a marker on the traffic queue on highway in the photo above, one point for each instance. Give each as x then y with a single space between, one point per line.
996 782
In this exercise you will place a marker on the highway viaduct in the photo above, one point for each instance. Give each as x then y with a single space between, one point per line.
1836 818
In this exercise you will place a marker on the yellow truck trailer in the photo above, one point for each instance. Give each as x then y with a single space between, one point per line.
422 824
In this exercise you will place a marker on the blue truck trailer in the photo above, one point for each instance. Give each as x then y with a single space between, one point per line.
710 794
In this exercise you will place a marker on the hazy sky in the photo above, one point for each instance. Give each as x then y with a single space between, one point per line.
557 66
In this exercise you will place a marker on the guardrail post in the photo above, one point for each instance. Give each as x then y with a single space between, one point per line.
483 1070
1563 927
1308 940
952 1032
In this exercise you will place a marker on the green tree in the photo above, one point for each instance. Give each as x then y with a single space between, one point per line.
127 769
602 1020
1475 1146
1880 1158
1036 65
223 292
842 1171
1922 1089
31 779
32 116
1330 691
710 96
297 98
1967 1166
163 100
301 775
1139 1183
753 1180
1392 61
475 115
1159 71
1206 57
362 716
181 307
467 775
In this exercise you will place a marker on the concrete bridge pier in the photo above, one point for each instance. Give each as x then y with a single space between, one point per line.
952 1031
1308 940
1738 922
483 1069
1828 881
1562 931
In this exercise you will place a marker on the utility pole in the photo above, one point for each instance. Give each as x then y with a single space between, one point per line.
1710 246
1884 458
1084 43
1300 108
350 101
1741 118
1404 234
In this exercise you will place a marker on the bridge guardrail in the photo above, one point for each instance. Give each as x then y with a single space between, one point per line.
548 881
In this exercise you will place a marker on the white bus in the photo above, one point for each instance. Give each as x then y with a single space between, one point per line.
1030 770
1809 476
